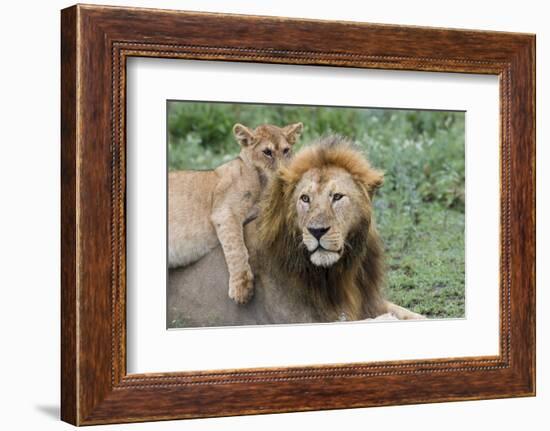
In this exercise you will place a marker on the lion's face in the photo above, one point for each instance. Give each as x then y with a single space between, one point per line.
329 206
320 202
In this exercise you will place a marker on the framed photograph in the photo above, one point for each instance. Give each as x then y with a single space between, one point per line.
265 214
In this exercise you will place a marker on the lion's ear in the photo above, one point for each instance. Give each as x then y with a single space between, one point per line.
243 134
374 181
292 132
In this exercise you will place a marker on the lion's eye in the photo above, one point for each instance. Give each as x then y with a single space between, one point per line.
337 196
268 152
304 198
286 151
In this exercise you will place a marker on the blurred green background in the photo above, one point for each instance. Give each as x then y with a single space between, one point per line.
420 208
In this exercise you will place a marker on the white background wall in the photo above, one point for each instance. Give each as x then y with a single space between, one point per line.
29 214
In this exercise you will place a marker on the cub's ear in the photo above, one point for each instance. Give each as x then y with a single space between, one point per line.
292 132
243 134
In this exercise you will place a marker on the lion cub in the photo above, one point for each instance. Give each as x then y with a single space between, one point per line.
207 208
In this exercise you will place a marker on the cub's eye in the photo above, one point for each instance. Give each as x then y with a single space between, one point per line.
337 196
304 198
268 152
286 151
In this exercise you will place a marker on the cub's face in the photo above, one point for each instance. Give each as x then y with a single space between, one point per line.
329 205
267 147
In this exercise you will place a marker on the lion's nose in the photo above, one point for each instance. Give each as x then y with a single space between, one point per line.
318 232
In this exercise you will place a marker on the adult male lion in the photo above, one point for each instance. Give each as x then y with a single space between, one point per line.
314 247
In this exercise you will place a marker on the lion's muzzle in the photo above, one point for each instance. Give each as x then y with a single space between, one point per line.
324 244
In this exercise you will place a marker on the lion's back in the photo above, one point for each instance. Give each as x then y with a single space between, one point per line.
197 297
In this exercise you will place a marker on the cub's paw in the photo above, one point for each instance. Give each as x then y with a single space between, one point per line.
241 286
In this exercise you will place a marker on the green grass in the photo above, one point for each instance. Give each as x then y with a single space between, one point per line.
419 210
426 261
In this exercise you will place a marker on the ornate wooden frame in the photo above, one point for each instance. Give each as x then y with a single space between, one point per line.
95 43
